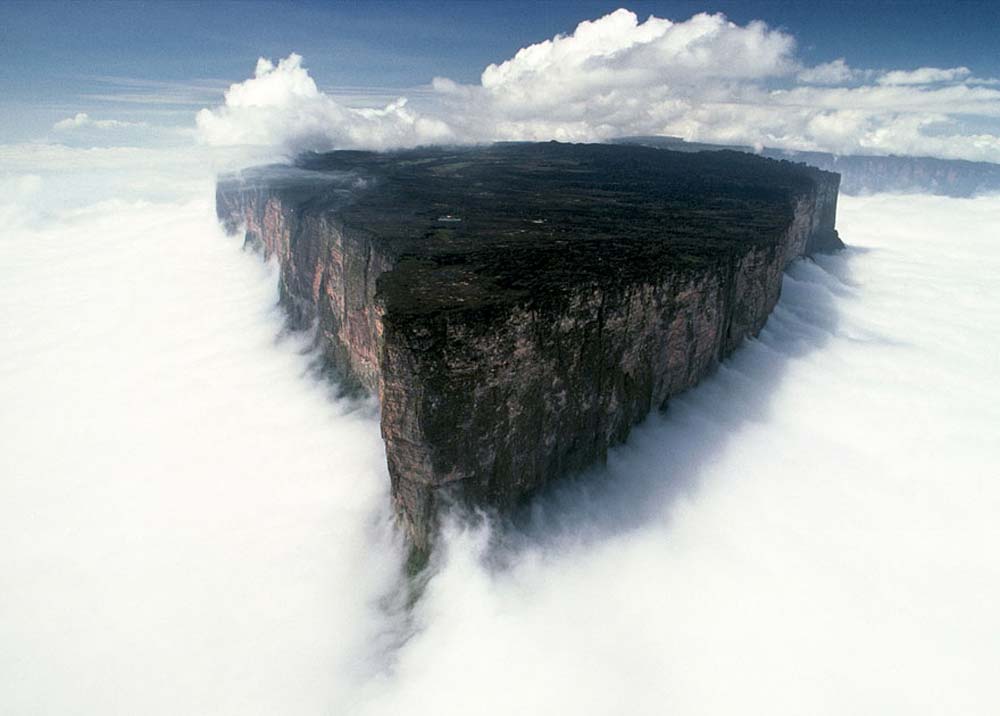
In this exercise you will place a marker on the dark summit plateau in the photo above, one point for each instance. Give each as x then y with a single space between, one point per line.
518 307
517 222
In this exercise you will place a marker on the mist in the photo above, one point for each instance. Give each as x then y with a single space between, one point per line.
191 520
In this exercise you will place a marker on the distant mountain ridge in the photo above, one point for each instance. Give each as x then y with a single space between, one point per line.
868 174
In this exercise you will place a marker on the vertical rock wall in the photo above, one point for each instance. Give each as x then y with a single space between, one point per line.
327 274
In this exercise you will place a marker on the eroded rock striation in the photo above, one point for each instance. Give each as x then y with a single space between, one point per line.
517 308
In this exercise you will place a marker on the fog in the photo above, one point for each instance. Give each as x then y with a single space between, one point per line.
191 520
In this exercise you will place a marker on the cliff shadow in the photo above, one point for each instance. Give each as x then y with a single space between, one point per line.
666 455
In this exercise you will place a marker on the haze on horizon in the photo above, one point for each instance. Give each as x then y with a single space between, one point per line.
192 521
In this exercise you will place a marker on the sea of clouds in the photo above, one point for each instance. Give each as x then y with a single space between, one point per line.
192 521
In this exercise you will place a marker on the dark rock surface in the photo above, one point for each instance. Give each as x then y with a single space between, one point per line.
517 308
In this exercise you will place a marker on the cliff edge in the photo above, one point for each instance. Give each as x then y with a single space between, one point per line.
517 308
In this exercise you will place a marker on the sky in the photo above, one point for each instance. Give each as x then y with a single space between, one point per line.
158 63
400 45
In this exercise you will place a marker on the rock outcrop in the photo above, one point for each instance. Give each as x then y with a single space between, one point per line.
518 308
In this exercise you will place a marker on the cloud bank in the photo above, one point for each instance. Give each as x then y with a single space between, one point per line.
191 523
705 79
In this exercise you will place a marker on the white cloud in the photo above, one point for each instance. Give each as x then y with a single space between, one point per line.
617 48
616 76
705 78
924 76
80 175
160 555
828 73
82 120
21 194
711 80
281 106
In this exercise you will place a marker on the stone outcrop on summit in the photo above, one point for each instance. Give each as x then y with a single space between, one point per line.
518 308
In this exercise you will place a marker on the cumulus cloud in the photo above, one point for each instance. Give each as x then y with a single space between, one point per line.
616 75
709 79
281 106
705 79
618 50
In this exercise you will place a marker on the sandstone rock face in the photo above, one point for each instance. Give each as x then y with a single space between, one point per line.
327 273
511 341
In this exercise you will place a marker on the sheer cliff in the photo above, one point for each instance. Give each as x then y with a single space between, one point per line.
518 308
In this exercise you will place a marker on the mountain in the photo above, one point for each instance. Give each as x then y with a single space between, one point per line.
518 308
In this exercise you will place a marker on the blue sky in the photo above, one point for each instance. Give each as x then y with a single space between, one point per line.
53 51
397 43
133 61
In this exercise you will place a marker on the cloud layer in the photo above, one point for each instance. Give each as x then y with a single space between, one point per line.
162 553
705 79
190 523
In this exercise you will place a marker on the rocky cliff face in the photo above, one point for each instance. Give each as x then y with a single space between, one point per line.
327 272
512 341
